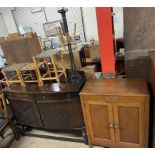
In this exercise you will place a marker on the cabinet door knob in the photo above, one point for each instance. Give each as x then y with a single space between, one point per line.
116 126
111 125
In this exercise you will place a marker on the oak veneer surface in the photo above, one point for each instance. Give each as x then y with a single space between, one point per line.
122 87
116 112
53 88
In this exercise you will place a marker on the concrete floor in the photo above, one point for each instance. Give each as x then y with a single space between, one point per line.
35 142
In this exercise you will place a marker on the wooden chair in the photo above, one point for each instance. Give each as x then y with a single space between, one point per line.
50 67
6 119
29 73
12 74
12 35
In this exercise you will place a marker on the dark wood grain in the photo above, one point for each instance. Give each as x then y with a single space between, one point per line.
53 106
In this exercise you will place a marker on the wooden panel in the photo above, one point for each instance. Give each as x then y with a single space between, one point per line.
26 112
99 118
61 114
129 130
124 104
130 122
20 50
98 111
56 105
59 96
114 87
19 96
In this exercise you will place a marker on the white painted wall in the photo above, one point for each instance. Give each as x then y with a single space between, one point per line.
90 23
118 22
89 17
9 20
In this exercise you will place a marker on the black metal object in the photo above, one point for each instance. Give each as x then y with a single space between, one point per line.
75 76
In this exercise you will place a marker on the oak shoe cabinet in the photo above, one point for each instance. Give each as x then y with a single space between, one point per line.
116 112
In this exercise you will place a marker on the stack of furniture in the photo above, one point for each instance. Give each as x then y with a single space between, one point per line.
53 106
116 112
38 71
20 49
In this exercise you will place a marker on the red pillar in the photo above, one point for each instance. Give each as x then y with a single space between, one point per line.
106 40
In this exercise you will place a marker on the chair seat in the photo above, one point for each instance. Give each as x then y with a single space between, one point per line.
4 115
3 122
29 67
47 53
13 67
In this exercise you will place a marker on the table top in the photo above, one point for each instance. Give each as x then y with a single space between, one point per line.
120 87
47 88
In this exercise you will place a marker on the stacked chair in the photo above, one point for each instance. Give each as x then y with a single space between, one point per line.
43 68
53 71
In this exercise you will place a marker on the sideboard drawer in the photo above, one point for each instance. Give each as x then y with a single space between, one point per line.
19 96
99 99
56 96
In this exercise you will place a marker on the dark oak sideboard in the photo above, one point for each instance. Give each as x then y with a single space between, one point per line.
52 106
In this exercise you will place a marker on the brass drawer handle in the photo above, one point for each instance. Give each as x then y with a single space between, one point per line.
111 125
116 126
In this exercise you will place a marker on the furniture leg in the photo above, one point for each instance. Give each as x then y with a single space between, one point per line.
14 130
6 78
55 70
19 73
84 135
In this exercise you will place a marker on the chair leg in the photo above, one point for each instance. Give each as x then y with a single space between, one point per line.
62 63
38 74
6 78
18 71
55 70
40 83
65 73
48 69
2 136
14 130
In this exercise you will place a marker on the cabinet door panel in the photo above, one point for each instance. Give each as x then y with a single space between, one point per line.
61 114
26 112
129 129
99 118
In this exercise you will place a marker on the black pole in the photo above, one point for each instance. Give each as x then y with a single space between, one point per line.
63 13
75 76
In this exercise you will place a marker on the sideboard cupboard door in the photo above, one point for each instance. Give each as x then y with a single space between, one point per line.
129 124
26 112
100 123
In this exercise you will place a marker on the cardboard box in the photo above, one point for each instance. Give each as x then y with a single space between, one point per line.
92 51
89 71
67 62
